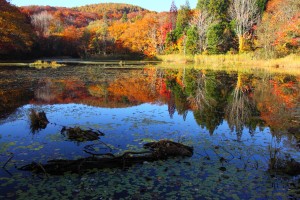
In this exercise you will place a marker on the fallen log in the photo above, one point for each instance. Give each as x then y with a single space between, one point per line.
157 151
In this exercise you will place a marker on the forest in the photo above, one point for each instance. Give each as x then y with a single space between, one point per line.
269 28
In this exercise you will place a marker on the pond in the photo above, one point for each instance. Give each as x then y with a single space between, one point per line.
242 127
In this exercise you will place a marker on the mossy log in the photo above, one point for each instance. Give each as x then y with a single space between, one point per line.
157 151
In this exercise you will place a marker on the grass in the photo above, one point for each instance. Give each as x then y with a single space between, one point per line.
288 64
44 64
233 62
237 62
176 58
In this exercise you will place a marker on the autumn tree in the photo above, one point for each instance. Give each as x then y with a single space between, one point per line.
16 33
279 32
245 14
163 29
41 23
139 37
99 36
72 37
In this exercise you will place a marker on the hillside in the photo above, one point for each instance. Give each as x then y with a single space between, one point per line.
81 16
110 8
112 29
67 16
113 11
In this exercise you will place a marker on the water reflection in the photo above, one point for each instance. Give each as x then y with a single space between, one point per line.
240 107
243 100
239 124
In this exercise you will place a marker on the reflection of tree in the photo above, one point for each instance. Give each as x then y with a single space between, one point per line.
136 87
66 91
278 102
171 106
200 96
44 91
239 109
208 93
179 96
11 99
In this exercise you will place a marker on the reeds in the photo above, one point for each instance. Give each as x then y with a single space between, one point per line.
288 64
176 58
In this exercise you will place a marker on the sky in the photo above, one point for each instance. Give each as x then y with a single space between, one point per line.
153 5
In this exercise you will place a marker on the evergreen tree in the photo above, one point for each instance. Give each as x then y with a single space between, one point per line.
173 15
216 8
183 18
124 17
192 40
220 38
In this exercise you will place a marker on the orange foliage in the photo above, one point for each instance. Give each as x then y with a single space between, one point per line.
277 105
15 30
284 19
69 17
141 36
135 89
71 33
117 29
289 36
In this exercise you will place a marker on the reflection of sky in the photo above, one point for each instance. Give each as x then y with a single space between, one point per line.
134 125
122 126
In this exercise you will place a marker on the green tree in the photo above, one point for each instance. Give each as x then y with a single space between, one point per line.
216 8
262 5
183 18
192 40
173 15
180 97
219 38
182 24
124 17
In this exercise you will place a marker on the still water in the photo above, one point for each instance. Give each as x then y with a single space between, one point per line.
237 123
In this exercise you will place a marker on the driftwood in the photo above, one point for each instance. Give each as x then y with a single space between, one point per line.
80 135
38 120
157 151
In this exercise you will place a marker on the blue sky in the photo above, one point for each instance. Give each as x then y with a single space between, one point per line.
154 5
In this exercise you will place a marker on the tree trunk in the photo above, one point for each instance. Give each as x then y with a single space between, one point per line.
241 43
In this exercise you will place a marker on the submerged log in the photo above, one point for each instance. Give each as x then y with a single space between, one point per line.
158 151
80 135
166 148
290 166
